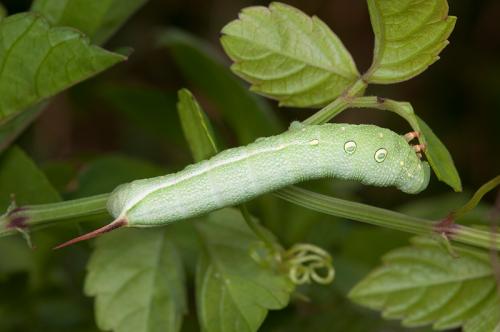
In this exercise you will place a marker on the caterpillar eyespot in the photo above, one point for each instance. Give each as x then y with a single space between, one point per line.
366 153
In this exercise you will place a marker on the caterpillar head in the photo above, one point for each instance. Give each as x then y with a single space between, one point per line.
414 173
380 157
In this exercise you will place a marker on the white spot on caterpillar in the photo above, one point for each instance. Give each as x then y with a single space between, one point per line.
419 166
380 135
402 163
410 175
314 142
380 155
350 147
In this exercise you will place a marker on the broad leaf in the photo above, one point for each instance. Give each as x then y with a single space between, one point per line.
488 319
98 19
20 178
439 157
288 56
137 279
409 35
197 128
234 291
424 284
37 61
248 115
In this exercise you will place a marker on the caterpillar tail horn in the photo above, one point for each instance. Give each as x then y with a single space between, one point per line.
118 223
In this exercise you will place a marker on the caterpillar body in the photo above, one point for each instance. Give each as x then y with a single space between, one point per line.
366 153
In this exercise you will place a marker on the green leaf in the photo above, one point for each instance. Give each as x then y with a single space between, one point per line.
487 319
37 61
288 56
424 284
233 291
248 115
439 157
409 35
103 174
20 177
98 19
137 278
197 128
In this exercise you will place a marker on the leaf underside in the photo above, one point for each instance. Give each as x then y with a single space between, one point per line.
228 299
423 284
288 56
137 278
37 61
409 35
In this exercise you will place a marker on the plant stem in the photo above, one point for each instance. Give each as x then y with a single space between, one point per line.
403 109
44 215
387 218
256 228
33 217
338 105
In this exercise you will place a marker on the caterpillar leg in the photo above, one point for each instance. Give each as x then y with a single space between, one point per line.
411 135
419 148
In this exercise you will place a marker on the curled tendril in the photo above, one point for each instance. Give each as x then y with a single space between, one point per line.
307 263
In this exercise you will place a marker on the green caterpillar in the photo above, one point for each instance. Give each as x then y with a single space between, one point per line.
366 153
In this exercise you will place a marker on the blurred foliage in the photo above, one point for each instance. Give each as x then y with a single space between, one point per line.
100 134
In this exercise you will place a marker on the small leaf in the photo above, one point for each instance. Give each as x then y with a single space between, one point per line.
423 284
288 56
439 158
246 113
98 19
137 278
197 128
409 35
37 61
233 291
20 177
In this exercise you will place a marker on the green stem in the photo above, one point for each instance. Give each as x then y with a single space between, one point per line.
256 228
44 215
403 109
33 217
338 105
387 218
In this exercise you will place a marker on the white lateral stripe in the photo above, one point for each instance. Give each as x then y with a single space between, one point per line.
205 170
